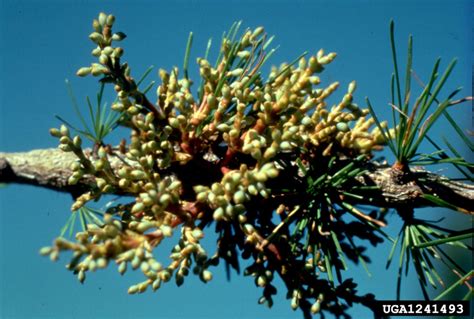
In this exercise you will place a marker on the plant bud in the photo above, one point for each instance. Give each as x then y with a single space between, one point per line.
243 54
96 25
258 31
119 36
118 52
138 207
122 268
144 267
206 276
55 132
198 234
117 107
81 276
156 284
294 303
133 289
223 127
239 197
45 251
165 199
96 52
102 18
77 141
64 130
165 275
352 87
316 307
144 226
65 148
103 59
84 71
236 72
167 231
101 263
138 174
342 127
72 180
98 69
252 190
110 20
108 50
261 281
218 214
96 37
285 145
201 197
248 229
65 140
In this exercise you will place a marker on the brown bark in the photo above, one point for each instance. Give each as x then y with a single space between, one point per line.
50 168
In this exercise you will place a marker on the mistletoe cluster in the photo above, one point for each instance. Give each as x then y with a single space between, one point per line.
266 162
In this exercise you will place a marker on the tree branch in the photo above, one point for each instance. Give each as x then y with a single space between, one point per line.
50 168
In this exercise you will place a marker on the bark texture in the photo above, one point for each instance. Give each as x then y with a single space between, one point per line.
50 168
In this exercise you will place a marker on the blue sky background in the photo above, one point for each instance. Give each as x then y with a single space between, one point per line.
44 42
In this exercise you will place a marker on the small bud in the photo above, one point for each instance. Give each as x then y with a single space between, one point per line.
272 172
65 140
102 18
98 69
236 72
118 52
258 31
156 284
285 145
122 267
248 229
138 174
261 281
55 132
239 197
45 251
294 303
144 267
144 226
154 265
206 276
243 54
165 199
316 307
110 20
101 263
103 59
167 231
165 275
96 25
119 36
54 256
77 141
218 214
352 87
252 190
342 127
138 207
96 52
65 148
96 37
133 289
81 276
84 71
64 130
72 180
